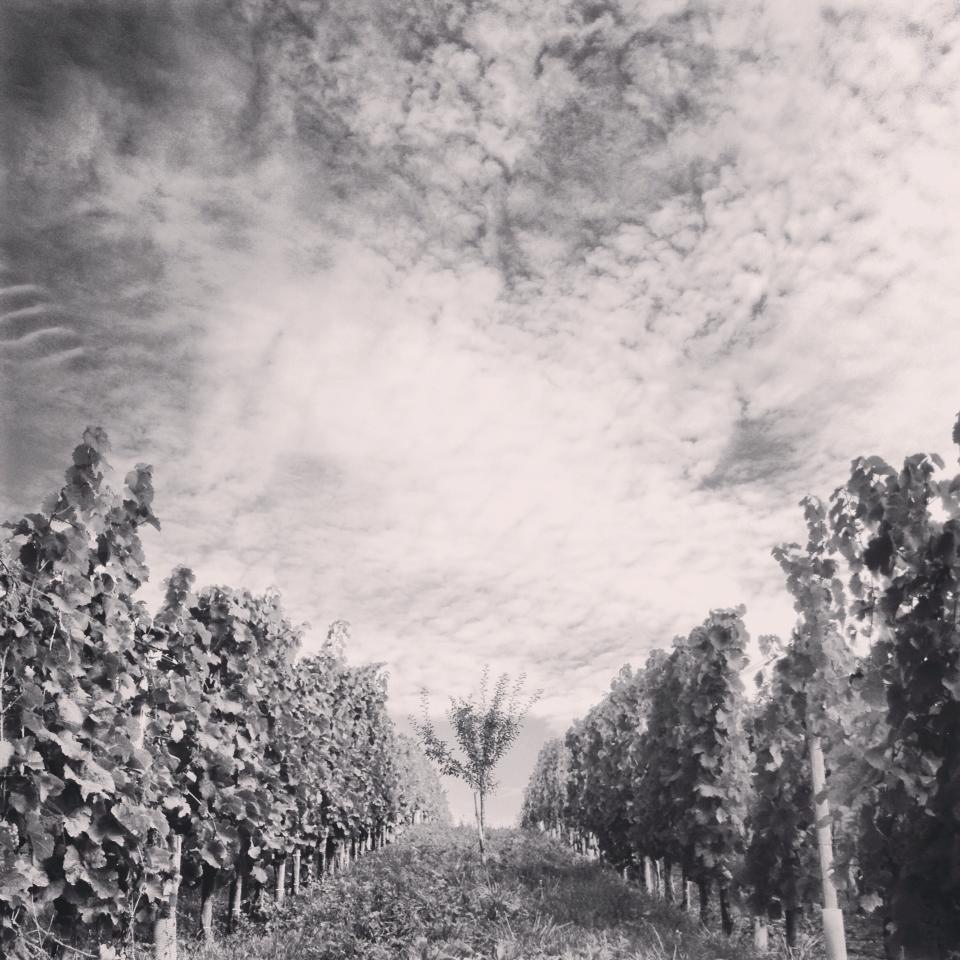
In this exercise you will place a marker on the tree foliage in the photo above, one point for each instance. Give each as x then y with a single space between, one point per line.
484 726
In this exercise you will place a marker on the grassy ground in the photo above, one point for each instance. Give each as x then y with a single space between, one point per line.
428 898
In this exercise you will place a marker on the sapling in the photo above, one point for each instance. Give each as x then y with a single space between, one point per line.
485 726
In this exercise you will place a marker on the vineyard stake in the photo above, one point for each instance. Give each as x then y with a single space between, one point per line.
648 875
761 941
688 897
834 940
165 924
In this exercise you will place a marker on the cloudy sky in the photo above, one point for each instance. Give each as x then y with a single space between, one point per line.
508 332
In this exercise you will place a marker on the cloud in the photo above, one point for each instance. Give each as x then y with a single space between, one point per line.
513 335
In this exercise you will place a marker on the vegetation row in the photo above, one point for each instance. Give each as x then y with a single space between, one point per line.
189 750
838 787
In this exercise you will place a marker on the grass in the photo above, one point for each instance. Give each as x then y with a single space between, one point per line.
428 898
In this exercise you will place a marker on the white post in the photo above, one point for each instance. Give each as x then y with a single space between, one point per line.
648 875
165 926
281 889
834 940
761 941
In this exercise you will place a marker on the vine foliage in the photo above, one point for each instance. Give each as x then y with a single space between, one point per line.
121 731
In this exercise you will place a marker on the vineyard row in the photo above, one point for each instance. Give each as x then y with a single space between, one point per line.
838 786
144 755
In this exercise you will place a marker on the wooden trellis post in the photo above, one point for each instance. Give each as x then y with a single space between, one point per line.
648 881
295 889
761 942
834 940
165 925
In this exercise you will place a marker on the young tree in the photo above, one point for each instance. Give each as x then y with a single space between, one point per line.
485 727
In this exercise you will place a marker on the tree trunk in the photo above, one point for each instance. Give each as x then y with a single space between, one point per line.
726 917
478 810
252 895
791 921
891 949
208 895
668 892
704 888
236 900
686 901
924 951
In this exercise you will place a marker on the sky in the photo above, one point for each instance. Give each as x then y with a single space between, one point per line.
510 333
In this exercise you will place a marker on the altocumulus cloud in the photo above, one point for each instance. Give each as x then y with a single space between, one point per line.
509 333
